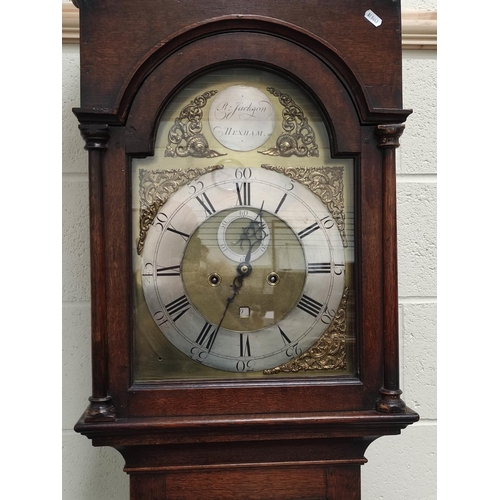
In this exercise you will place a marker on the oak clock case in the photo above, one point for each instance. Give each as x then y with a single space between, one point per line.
243 242
243 231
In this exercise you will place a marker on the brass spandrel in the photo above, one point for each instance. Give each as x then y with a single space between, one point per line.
329 352
325 182
298 137
156 187
186 137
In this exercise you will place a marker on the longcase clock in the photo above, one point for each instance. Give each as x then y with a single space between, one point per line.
243 242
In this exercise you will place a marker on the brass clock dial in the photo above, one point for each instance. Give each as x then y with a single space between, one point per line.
243 269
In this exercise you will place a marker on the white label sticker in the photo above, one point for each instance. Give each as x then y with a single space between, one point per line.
373 18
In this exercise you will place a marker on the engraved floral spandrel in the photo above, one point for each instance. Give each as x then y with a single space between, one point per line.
325 182
328 353
156 187
185 137
298 137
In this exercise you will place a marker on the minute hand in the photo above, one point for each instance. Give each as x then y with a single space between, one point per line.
244 268
237 284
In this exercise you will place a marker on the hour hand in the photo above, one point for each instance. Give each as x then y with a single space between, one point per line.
253 234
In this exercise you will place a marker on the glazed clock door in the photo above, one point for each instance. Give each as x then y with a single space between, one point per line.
244 237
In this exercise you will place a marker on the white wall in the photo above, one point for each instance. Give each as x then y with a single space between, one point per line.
400 467
404 467
88 473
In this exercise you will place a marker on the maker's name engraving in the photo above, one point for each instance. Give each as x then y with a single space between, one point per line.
242 118
227 111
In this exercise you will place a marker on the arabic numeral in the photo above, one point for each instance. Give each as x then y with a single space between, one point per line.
245 366
161 220
160 318
327 316
198 354
327 222
243 173
293 351
195 186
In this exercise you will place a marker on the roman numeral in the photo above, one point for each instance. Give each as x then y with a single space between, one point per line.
168 271
284 338
180 233
308 230
206 204
178 307
207 336
319 268
310 306
243 190
280 203
244 345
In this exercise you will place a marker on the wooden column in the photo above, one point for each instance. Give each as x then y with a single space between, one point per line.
101 408
390 400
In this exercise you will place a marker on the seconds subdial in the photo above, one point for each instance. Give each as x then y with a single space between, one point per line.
241 232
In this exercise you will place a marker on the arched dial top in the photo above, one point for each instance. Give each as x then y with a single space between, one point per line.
243 269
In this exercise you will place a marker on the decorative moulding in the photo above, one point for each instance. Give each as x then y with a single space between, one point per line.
419 28
70 23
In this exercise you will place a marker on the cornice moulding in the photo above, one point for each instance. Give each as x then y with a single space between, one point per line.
419 28
70 24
